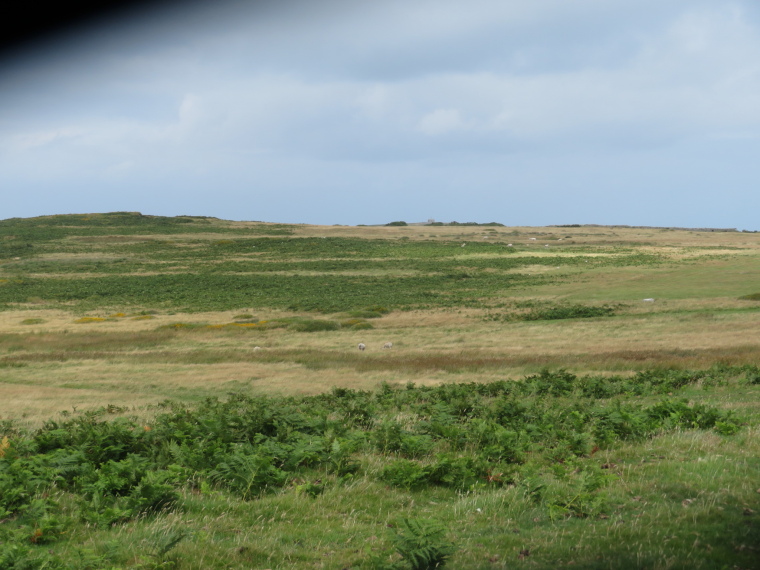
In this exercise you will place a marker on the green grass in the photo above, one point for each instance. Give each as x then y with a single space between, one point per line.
127 259
732 277
194 292
646 459
603 472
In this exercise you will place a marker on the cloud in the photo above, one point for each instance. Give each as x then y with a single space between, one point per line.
406 97
441 121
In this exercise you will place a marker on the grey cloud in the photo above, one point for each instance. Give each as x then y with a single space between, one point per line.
416 99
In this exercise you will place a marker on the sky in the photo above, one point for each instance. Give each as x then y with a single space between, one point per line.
343 112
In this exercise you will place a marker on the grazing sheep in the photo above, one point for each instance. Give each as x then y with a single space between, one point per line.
388 345
648 300
256 348
362 346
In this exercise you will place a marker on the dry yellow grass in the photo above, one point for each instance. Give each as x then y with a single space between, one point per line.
585 235
429 348
697 320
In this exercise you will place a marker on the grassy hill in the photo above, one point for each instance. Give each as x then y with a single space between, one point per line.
187 393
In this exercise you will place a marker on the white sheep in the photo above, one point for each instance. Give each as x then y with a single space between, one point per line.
255 348
388 345
362 346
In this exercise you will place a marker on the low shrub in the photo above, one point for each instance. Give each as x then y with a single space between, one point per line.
248 475
751 297
122 490
310 489
568 312
356 324
458 472
539 434
405 474
314 326
577 491
753 377
422 543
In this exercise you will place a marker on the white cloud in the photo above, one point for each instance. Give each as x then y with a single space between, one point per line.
342 89
441 121
33 139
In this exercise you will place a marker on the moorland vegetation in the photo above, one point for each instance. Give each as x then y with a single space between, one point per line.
573 395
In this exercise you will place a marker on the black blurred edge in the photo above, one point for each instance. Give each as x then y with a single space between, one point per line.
28 25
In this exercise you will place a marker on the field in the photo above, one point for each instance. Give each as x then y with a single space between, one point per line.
188 393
